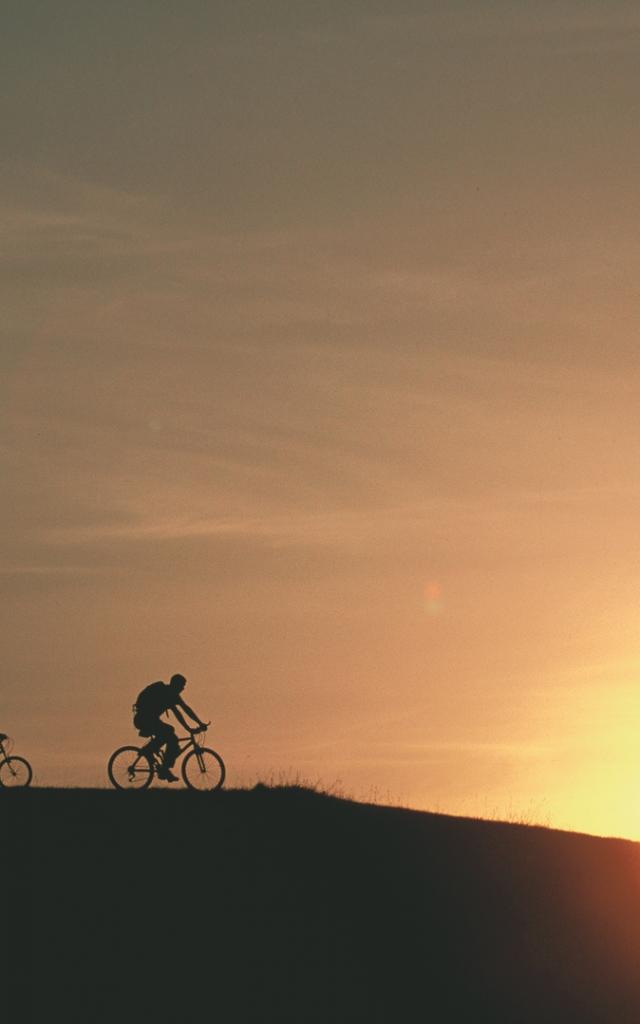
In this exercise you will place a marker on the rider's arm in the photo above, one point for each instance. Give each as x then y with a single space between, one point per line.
180 717
190 712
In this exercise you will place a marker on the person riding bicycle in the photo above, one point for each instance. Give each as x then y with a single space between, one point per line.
153 701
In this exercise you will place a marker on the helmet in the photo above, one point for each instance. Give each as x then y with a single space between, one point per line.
178 682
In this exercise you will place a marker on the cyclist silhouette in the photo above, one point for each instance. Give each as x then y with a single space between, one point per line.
155 700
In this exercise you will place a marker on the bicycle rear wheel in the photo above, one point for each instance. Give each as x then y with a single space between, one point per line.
203 769
15 773
129 768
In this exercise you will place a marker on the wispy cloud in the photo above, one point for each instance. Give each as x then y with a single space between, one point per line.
60 570
338 527
401 752
600 21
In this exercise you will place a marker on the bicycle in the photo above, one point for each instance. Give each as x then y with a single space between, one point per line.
132 767
15 772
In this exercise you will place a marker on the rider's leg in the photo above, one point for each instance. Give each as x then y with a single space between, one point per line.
150 748
166 734
149 727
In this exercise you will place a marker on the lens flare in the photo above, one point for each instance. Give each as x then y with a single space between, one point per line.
433 598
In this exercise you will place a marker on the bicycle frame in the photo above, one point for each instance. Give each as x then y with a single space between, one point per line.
153 755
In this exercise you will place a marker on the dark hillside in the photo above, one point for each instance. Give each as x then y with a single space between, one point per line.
285 905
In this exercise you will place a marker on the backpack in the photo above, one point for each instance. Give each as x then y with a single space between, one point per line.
151 700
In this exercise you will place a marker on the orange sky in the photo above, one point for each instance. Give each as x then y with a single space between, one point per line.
319 385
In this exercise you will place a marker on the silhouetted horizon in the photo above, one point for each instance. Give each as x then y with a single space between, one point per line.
304 906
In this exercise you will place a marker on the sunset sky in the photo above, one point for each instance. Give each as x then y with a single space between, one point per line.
320 377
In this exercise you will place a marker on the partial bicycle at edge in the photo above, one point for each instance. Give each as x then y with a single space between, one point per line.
15 772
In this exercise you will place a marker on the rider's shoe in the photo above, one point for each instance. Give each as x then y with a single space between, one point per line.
166 774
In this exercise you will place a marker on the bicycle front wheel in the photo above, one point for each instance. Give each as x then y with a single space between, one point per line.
203 769
129 768
15 773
